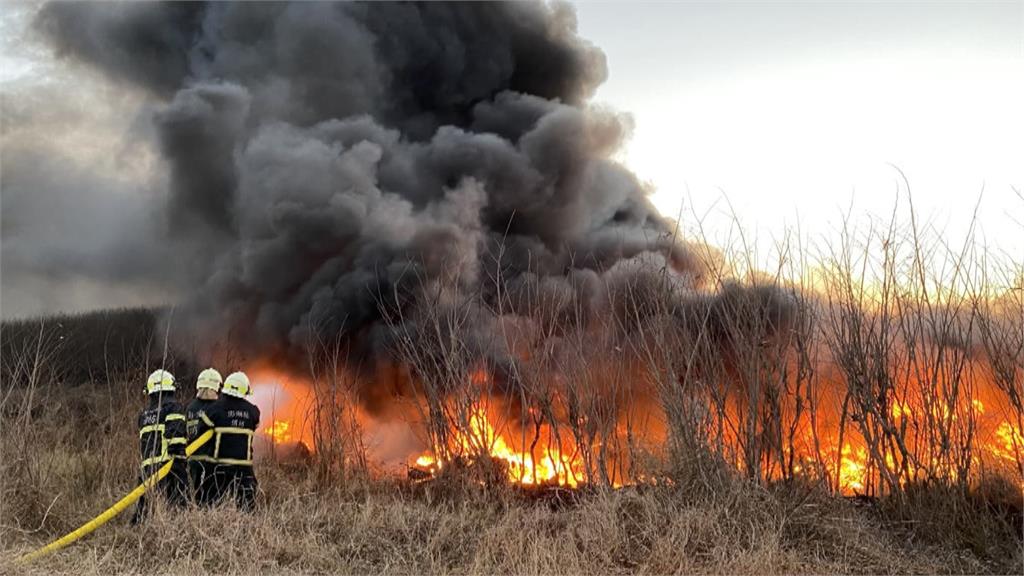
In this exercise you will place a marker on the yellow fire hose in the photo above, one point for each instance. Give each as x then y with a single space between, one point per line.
117 508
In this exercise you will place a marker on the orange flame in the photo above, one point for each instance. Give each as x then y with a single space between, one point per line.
286 402
553 467
1009 443
827 446
279 432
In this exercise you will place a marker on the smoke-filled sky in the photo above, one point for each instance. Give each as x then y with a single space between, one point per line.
791 111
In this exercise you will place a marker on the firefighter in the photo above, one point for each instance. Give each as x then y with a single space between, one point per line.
162 439
233 420
200 464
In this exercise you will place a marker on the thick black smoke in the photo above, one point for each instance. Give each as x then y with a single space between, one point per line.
333 163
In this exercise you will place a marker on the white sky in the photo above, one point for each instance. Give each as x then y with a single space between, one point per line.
793 110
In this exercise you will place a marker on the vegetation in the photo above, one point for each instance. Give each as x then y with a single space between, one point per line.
74 457
863 418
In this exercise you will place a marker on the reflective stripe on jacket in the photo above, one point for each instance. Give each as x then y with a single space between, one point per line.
161 431
234 422
195 409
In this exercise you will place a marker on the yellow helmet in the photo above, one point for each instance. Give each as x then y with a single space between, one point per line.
209 379
237 385
160 381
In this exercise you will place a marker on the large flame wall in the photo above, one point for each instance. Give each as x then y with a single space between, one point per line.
921 412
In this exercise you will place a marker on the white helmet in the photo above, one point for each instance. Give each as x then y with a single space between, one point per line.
209 379
237 385
160 381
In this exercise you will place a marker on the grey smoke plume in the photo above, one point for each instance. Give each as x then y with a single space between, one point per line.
330 159
79 185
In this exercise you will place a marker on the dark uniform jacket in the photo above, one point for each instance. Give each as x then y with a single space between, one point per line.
201 466
161 432
197 406
234 422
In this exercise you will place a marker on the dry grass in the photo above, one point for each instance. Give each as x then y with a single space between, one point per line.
383 529
77 456
755 382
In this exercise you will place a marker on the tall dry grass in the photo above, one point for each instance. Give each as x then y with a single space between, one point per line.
891 353
366 525
725 407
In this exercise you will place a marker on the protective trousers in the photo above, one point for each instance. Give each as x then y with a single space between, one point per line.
204 488
174 487
237 482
